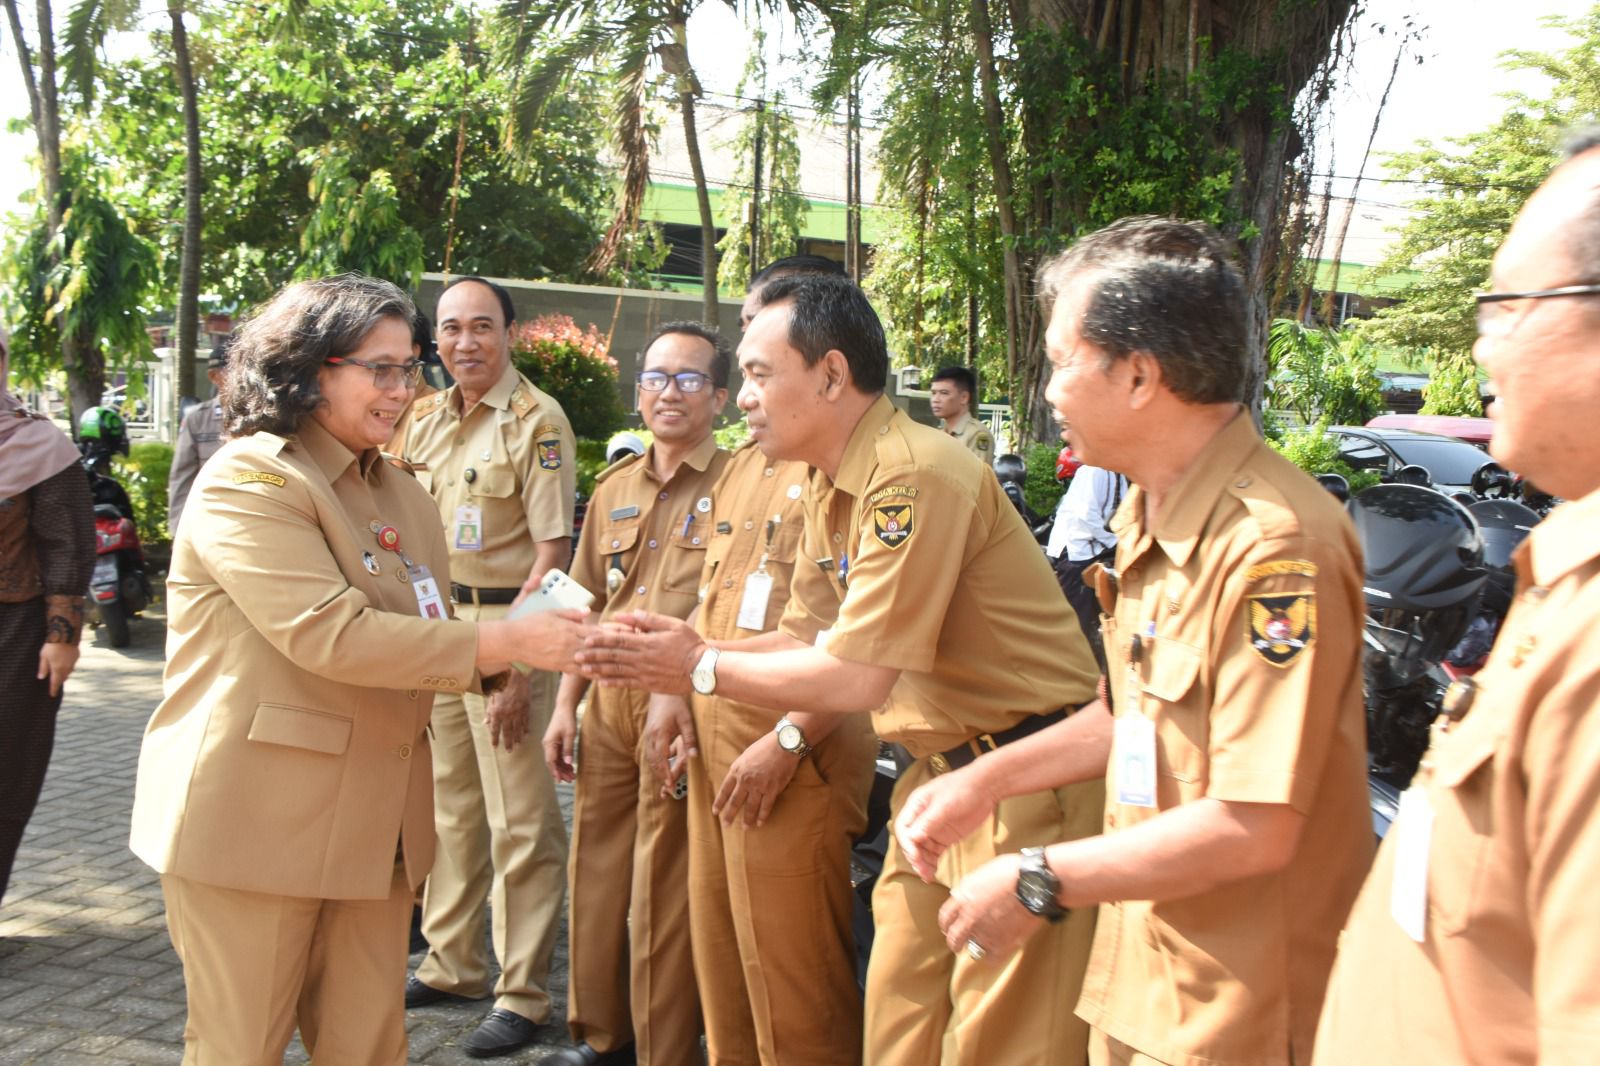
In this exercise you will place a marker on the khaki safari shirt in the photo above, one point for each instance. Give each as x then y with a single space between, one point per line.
1237 633
290 754
511 456
644 542
1506 971
970 432
913 558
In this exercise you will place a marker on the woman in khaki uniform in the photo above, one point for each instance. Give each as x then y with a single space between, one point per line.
284 790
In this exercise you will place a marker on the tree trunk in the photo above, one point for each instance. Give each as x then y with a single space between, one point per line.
688 89
189 261
49 116
85 367
999 160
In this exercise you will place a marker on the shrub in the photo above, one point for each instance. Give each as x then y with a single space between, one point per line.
1312 450
143 473
1042 491
572 365
1319 372
1452 387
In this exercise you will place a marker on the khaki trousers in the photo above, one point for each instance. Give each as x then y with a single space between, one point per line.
770 908
926 1004
631 973
255 965
500 837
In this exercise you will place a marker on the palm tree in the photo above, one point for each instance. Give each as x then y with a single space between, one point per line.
549 44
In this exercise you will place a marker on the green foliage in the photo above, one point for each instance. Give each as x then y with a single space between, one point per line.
143 473
1318 372
733 434
1312 450
1476 185
591 459
87 283
572 365
357 226
1452 387
1041 489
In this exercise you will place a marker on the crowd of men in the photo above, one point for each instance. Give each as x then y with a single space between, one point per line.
1143 852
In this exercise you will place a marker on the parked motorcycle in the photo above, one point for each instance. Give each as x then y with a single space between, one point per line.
120 587
1013 474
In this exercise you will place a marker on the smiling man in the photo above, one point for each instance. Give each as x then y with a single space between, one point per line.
497 455
642 548
918 594
1474 938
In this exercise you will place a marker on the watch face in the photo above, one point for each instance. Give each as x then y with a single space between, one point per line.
789 738
1036 892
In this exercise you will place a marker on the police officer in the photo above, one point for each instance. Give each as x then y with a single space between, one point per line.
1475 936
643 546
497 456
199 437
770 826
918 594
954 398
1236 821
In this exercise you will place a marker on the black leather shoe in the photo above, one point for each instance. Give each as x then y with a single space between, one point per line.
418 941
501 1033
421 995
584 1055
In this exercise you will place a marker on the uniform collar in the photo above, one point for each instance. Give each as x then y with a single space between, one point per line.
498 396
957 425
1561 543
1194 498
698 459
861 454
332 457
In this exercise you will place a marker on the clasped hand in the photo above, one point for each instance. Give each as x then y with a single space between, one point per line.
642 650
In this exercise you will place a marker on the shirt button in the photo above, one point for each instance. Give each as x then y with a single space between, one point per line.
618 544
882 430
662 496
1242 483
768 473
749 523
461 440
694 540
837 537
412 694
405 751
639 591
652 543
727 582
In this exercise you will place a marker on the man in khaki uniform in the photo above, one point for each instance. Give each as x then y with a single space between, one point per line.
1236 821
643 546
954 398
198 438
919 595
497 456
770 830
1493 862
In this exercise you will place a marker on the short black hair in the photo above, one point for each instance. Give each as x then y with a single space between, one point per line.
507 309
1165 287
422 335
828 313
797 264
964 378
721 350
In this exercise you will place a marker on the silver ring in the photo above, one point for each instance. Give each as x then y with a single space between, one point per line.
975 951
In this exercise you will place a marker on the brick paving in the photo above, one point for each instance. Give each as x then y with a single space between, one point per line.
87 974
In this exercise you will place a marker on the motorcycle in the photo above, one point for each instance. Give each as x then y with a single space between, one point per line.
1013 474
120 587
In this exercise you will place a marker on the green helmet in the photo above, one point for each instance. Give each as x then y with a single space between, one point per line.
104 425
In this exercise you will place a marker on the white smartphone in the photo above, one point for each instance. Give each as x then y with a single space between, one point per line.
556 592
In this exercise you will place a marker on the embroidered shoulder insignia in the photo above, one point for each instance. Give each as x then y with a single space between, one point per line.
426 406
522 403
1294 567
1279 628
250 476
892 523
907 491
550 454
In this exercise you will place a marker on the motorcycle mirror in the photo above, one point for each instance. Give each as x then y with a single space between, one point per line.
1336 484
1412 474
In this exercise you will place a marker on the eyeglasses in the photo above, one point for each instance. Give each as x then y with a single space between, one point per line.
385 376
1496 319
688 380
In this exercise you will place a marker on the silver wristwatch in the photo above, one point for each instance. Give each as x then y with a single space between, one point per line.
704 675
792 739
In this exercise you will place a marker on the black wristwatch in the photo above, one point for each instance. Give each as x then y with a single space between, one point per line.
1038 886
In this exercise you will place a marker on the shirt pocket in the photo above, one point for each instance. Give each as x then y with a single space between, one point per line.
1170 695
299 727
685 558
1465 769
495 481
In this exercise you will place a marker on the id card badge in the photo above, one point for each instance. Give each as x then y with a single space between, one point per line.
429 603
469 528
1136 760
753 604
1408 896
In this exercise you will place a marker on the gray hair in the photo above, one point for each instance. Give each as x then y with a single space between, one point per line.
1164 287
272 369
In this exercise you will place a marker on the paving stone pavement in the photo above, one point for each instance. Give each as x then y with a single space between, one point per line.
87 973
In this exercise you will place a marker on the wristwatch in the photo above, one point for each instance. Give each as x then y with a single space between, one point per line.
792 739
704 675
1038 886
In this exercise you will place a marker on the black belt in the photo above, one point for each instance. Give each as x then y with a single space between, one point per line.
962 754
492 597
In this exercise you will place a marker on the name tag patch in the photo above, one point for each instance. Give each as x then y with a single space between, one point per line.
252 476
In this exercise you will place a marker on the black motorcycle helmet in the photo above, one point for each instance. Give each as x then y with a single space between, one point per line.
1424 577
1493 479
1011 469
1336 484
1413 474
1504 524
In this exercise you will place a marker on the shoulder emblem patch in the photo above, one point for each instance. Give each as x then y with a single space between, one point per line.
1294 567
550 454
892 523
251 476
1279 628
426 406
907 491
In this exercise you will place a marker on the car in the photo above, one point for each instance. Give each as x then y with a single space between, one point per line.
1449 461
1475 431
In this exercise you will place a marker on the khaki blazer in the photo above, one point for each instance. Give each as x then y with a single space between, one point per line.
289 754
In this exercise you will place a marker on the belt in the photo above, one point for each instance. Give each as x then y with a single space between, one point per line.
962 754
467 594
